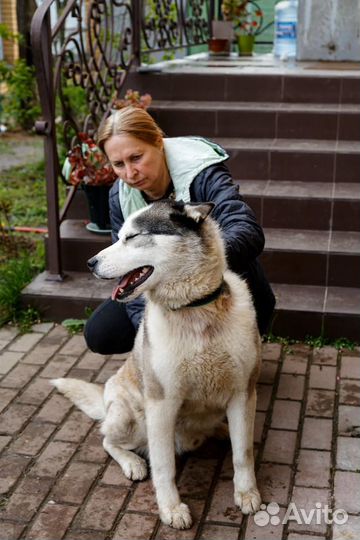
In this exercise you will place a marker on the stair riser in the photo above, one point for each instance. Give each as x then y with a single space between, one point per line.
260 88
75 253
306 166
306 268
310 214
59 308
257 124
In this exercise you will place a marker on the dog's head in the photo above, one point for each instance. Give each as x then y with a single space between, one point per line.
161 244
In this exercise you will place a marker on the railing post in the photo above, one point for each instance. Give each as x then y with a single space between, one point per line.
136 7
41 43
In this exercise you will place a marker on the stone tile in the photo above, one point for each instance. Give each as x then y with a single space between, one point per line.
59 366
73 487
43 327
286 414
91 449
168 533
143 499
76 534
8 360
36 392
222 507
48 346
264 392
6 396
320 403
306 498
347 491
280 446
75 346
11 469
11 531
274 482
25 342
348 453
32 439
259 426
349 420
108 370
13 419
268 372
295 364
313 469
27 498
350 367
4 441
75 428
348 530
349 392
113 476
196 478
323 377
52 522
53 459
291 386
271 528
54 410
219 532
8 333
317 434
325 355
19 376
92 360
101 508
135 526
271 351
294 536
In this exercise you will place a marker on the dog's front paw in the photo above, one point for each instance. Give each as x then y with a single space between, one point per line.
177 516
248 501
135 468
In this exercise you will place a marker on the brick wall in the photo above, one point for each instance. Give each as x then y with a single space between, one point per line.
8 17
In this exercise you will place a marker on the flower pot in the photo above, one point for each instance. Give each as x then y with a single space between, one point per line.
246 44
219 46
98 203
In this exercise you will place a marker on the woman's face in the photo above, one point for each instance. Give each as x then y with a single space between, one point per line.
137 163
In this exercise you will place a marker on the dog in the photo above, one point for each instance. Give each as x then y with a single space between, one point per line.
196 356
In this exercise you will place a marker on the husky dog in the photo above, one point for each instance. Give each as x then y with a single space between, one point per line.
196 356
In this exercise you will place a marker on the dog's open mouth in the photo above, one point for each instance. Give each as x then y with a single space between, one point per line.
130 281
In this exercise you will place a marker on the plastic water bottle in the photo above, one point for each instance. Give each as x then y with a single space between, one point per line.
285 29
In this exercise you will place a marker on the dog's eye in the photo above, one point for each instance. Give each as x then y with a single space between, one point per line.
131 236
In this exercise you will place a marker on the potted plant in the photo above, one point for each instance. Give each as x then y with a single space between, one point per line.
86 166
247 18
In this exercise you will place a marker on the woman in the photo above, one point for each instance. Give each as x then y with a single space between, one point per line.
151 167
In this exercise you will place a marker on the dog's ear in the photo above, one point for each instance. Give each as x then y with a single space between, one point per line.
198 212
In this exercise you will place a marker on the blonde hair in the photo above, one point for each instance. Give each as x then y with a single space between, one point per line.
130 121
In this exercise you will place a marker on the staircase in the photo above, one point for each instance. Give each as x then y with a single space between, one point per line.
293 137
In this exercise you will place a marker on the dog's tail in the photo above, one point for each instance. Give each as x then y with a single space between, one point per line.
87 396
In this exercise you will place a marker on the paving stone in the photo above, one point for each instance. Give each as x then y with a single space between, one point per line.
43 327
295 364
102 508
219 532
26 499
54 410
82 374
168 533
347 531
11 531
264 392
349 392
14 418
91 449
8 360
291 386
19 376
108 370
25 342
8 333
92 360
350 367
143 499
322 377
113 476
347 491
317 434
11 469
53 459
349 420
59 366
280 446
272 530
52 522
325 355
268 372
320 403
271 351
313 469
6 396
196 478
32 439
36 392
4 441
73 534
259 426
302 536
135 526
47 347
307 499
274 482
348 453
76 426
299 349
74 485
286 414
75 346
222 507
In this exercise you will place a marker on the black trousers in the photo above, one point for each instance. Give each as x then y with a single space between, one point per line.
109 329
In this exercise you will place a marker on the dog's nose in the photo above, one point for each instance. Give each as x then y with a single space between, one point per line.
92 263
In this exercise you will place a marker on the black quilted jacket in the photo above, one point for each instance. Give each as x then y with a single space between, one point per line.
244 238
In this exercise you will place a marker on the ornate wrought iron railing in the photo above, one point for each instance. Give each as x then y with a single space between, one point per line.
83 51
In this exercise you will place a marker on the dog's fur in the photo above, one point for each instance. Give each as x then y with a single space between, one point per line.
190 366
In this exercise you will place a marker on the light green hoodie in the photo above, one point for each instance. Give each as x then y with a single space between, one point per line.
185 157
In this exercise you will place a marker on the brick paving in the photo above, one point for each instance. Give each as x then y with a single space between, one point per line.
57 482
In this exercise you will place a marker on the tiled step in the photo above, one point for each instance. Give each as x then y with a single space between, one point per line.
78 244
258 119
223 85
301 310
304 205
295 159
308 257
312 310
